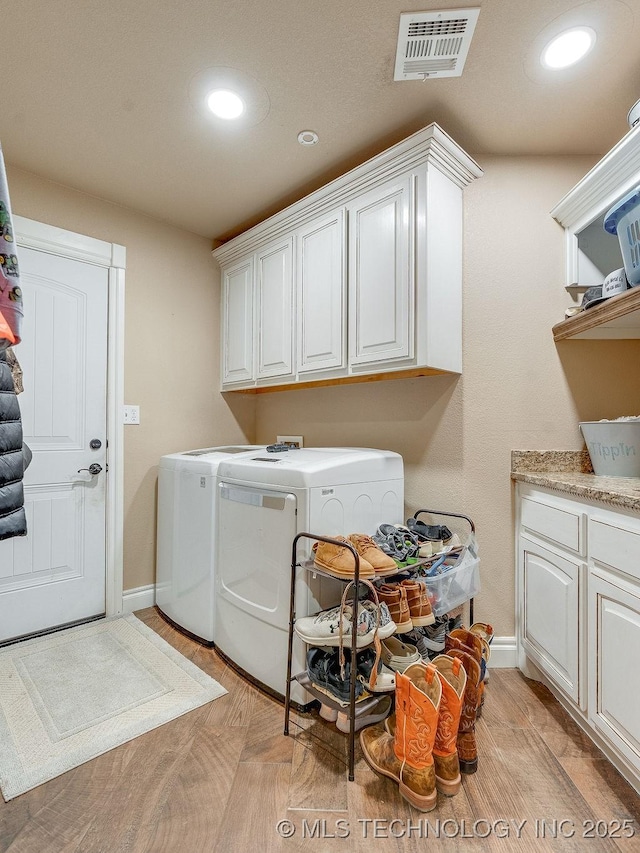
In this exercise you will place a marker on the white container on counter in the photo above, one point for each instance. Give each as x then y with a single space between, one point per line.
614 447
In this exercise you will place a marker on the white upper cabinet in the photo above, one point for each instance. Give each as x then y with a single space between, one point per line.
274 310
360 279
380 277
237 323
321 294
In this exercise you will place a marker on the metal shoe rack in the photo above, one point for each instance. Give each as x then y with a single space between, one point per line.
354 712
302 678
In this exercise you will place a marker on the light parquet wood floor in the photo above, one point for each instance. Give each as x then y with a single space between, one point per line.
221 778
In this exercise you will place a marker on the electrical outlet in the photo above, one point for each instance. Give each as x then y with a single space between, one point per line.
291 440
131 415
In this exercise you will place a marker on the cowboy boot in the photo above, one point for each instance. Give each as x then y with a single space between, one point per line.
457 640
453 676
407 755
466 740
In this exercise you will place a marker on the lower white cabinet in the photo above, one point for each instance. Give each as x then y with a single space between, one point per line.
551 631
614 641
578 589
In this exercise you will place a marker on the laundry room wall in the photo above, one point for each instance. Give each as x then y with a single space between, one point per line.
518 389
171 346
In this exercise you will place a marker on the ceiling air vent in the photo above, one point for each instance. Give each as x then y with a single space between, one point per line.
434 44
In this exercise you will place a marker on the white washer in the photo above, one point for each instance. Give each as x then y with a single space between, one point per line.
185 564
264 500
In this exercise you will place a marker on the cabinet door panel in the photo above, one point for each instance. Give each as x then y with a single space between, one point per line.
274 289
614 639
237 323
380 275
551 626
321 294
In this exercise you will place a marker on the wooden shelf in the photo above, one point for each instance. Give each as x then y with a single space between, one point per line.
617 318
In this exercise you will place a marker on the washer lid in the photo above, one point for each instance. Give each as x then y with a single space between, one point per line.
206 459
314 466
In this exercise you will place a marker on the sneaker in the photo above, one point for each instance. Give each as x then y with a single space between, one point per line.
323 669
434 637
369 717
387 626
323 629
419 640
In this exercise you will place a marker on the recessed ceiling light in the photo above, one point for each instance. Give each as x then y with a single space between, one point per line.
308 137
568 47
225 104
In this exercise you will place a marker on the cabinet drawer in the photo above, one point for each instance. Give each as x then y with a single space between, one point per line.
562 526
616 546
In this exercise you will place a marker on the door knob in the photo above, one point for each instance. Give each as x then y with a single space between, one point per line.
93 469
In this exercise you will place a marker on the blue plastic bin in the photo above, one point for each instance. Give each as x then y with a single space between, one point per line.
624 220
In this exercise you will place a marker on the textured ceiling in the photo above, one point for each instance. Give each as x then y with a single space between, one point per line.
103 97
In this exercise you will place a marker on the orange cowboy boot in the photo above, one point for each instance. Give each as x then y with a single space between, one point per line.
453 678
407 755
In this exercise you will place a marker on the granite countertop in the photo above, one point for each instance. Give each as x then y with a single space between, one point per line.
570 471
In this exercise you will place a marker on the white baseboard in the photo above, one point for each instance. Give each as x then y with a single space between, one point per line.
138 598
503 653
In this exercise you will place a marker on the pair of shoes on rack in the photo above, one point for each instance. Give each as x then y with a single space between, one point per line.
326 672
369 717
337 557
408 603
397 541
430 640
429 532
333 627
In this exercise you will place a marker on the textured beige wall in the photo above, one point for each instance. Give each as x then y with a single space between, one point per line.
171 346
518 390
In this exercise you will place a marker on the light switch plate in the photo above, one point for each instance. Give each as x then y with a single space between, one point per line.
293 440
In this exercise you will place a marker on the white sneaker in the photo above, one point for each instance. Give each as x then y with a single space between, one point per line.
323 629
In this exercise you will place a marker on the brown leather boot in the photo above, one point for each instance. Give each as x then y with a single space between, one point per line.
395 597
456 640
466 740
419 604
453 676
407 755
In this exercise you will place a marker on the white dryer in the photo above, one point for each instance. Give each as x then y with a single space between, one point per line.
185 563
264 500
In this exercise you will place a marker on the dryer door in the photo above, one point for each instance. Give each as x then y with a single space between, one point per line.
255 531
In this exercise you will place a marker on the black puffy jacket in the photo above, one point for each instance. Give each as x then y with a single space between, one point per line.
12 518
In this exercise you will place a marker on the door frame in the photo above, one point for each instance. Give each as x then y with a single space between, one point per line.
31 234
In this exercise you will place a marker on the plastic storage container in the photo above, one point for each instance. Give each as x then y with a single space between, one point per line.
624 220
614 447
455 585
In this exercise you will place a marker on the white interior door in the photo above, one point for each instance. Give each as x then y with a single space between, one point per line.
56 574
